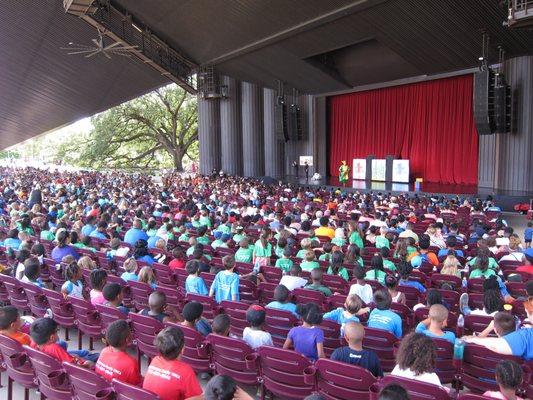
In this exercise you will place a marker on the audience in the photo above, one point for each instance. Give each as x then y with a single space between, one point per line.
307 339
254 335
382 317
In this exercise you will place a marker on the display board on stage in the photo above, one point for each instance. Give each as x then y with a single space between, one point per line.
379 167
400 171
309 160
359 169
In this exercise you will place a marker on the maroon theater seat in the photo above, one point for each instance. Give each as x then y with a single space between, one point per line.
237 314
140 292
17 295
382 342
18 366
87 320
305 296
62 310
278 323
417 390
145 329
37 300
194 352
87 384
124 391
211 308
109 314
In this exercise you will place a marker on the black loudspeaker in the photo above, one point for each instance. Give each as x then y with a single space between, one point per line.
484 102
502 108
294 121
280 116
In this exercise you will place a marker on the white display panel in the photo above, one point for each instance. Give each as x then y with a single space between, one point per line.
378 169
359 168
400 171
309 160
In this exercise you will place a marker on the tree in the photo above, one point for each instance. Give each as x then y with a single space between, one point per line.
155 130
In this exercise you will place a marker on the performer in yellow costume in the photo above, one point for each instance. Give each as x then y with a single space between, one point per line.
344 173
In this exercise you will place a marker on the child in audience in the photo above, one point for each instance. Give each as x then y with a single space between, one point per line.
327 248
285 262
404 269
192 315
387 264
305 246
528 234
158 308
316 279
114 361
11 324
342 316
221 325
361 288
43 333
509 378
434 324
245 252
32 272
309 262
416 359
112 293
354 353
178 259
146 275
130 268
194 283
307 339
73 285
382 317
393 392
336 267
281 300
167 376
293 280
254 335
263 249
376 271
98 278
226 283
451 266
224 387
391 283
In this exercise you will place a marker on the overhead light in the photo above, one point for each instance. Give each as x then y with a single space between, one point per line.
481 58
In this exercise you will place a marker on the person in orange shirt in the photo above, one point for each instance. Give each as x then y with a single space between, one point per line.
324 229
10 325
424 254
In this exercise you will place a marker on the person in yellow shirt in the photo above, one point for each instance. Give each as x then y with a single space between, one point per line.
324 229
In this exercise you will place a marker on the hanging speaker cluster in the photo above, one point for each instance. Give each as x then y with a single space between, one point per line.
492 103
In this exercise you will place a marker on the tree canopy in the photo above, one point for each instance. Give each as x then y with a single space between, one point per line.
156 130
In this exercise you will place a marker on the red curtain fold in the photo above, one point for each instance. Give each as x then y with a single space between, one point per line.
429 123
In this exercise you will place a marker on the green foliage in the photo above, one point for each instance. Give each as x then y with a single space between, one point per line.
156 130
9 154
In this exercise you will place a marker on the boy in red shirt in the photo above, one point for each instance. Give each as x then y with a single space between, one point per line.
10 325
114 362
167 376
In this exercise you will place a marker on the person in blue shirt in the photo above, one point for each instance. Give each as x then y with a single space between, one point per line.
141 253
434 324
528 234
194 283
100 231
341 316
382 317
12 241
130 270
281 301
135 233
89 226
226 283
451 244
354 353
405 269
152 241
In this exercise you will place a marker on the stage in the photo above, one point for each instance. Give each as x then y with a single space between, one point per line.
504 199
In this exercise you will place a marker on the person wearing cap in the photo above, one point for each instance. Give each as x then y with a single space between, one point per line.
218 242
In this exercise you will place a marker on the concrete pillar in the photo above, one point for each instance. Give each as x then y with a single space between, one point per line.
274 148
230 128
252 130
209 135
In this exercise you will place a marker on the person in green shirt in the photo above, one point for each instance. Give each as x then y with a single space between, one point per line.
245 253
336 268
218 242
340 238
285 263
481 268
381 240
387 264
309 262
263 248
202 236
184 235
238 236
305 245
280 247
355 238
376 271
326 256
204 219
192 244
353 255
316 278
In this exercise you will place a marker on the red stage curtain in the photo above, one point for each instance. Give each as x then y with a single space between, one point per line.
429 123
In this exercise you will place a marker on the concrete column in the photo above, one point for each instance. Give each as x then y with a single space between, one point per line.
252 130
230 128
274 148
209 135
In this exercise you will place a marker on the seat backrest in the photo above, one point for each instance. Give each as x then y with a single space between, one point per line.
278 323
332 336
309 296
444 367
124 391
476 323
336 283
192 354
272 274
247 291
175 296
266 292
417 390
50 373
237 314
382 342
438 279
145 328
140 292
412 295
36 298
337 380
211 308
283 373
87 384
109 314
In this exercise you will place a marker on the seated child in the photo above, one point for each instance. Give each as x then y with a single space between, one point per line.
245 252
43 333
281 300
221 325
340 315
114 361
434 324
98 278
146 275
224 387
316 279
130 268
326 256
354 353
285 262
73 285
509 378
194 283
112 293
391 283
305 245
178 259
192 314
226 283
361 288
32 272
382 317
158 308
309 262
307 339
10 325
254 335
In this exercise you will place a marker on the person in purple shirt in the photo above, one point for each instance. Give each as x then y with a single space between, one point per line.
63 247
307 339
135 233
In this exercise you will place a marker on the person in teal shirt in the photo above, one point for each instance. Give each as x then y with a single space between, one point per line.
336 267
226 283
263 249
376 271
309 262
339 239
281 301
316 278
202 236
285 263
245 253
481 268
